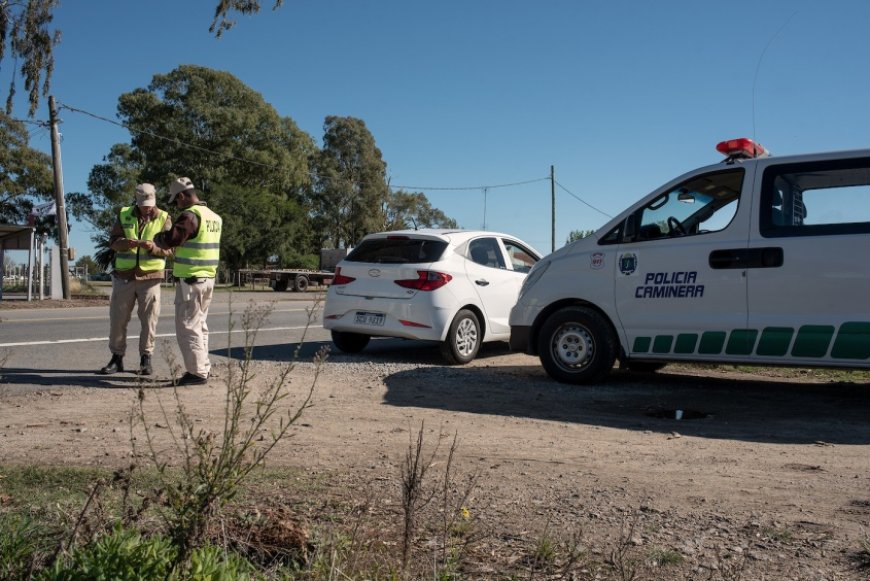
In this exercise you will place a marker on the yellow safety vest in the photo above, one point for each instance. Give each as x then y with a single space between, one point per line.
128 259
200 254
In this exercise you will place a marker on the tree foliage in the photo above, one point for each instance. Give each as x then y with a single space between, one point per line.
208 125
25 36
577 235
412 210
25 173
350 190
222 21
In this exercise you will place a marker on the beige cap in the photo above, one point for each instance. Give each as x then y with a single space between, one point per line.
178 186
146 195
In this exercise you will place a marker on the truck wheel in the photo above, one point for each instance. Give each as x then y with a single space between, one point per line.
281 284
463 339
576 346
350 342
301 283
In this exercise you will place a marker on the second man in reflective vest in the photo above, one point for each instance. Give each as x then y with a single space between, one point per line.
196 236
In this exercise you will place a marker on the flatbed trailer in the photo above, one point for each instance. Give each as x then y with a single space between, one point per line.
298 280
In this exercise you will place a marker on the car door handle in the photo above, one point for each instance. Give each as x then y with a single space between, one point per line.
770 257
481 282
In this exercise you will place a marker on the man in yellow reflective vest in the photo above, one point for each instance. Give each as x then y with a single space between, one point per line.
196 237
136 278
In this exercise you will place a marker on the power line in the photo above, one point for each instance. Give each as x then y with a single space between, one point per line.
469 188
177 142
582 201
172 140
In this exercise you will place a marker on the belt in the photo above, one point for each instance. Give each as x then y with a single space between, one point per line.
196 279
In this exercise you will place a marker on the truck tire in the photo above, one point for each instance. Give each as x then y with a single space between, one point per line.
280 284
300 284
463 339
576 345
350 342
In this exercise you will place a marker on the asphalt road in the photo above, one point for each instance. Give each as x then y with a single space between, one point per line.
41 347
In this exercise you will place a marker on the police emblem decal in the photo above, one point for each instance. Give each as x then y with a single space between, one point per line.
627 263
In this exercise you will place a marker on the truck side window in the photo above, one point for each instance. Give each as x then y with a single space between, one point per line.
705 203
816 198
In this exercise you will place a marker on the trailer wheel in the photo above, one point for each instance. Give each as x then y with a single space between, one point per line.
350 342
576 345
281 284
301 283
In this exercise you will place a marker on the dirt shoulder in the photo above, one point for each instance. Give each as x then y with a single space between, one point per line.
768 479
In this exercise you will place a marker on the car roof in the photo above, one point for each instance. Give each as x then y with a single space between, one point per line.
456 235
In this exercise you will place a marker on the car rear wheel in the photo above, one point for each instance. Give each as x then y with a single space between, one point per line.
576 345
463 339
350 342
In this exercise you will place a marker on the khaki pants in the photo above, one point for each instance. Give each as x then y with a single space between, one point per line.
191 311
126 293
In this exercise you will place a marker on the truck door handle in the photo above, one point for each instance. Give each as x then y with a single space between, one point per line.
768 257
481 282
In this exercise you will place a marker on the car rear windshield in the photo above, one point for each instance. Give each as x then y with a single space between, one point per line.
398 251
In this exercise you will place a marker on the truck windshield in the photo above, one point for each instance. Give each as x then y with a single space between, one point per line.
705 203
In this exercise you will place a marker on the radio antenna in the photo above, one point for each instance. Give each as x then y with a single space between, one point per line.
758 67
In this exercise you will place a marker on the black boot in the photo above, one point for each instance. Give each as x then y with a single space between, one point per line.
145 365
115 365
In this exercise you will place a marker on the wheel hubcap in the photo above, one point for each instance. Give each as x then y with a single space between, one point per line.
572 346
466 337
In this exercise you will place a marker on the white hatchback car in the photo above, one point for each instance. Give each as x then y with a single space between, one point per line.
456 287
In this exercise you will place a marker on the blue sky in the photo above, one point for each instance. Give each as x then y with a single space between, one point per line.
619 96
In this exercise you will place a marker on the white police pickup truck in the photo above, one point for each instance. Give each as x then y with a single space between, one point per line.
759 260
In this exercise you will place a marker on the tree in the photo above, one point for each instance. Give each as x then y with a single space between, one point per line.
24 35
87 264
208 125
251 164
412 210
222 23
577 235
25 173
350 190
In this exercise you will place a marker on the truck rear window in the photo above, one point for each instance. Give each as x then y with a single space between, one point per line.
398 251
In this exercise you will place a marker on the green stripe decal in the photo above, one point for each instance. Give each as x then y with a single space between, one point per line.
663 343
853 341
775 341
812 341
641 345
712 342
741 342
686 343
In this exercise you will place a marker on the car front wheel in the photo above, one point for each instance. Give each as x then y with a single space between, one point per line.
350 342
576 345
463 339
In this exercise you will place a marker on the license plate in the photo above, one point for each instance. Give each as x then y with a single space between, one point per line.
369 319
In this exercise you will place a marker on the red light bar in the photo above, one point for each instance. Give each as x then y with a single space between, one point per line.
741 148
340 279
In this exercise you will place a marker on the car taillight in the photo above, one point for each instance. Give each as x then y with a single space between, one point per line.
340 278
428 280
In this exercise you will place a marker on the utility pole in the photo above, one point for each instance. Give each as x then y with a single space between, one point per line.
553 208
63 232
